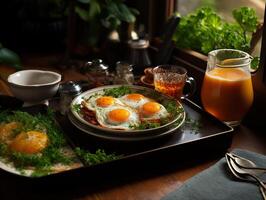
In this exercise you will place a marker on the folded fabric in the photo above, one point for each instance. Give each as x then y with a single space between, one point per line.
218 183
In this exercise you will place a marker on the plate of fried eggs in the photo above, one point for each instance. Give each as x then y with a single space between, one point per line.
126 111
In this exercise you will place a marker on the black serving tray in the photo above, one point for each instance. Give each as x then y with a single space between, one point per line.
202 134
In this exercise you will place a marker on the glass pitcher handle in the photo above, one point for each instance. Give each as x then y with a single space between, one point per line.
192 87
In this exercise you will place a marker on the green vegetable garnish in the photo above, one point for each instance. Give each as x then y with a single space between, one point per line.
99 156
76 107
171 107
193 125
117 92
51 155
146 125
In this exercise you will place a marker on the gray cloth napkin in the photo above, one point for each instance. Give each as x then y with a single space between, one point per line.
217 183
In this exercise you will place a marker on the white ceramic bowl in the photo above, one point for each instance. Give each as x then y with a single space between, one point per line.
34 86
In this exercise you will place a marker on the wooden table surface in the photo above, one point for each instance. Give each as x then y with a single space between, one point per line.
148 184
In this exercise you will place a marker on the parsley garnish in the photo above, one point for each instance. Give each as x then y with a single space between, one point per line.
51 155
76 107
146 125
99 156
193 125
117 92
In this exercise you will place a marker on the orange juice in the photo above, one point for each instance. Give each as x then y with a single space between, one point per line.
227 93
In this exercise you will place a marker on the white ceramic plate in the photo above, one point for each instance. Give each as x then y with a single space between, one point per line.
177 121
123 137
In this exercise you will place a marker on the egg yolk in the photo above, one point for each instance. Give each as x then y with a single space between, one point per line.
119 115
30 142
150 108
105 101
135 97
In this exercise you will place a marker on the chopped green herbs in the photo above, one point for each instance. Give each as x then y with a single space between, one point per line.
193 125
117 92
99 156
76 107
92 96
173 108
146 125
3 149
51 155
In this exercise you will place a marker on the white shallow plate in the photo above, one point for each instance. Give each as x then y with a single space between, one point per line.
124 137
138 89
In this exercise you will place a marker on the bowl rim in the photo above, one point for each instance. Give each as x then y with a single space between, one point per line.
57 80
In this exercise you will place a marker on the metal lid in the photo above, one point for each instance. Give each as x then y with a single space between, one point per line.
139 44
97 65
70 88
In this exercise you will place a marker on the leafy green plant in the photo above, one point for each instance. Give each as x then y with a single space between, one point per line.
9 57
205 30
110 12
100 14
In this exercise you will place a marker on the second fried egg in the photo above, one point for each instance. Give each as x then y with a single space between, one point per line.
117 117
152 111
134 100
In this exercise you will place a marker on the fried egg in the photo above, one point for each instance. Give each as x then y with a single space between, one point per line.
101 102
117 117
134 100
30 142
152 111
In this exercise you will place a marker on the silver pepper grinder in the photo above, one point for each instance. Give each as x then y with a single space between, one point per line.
68 91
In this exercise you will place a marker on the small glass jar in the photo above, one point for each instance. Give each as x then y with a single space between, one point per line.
68 91
124 74
97 72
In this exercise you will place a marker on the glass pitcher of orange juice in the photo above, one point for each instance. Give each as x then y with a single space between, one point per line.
227 91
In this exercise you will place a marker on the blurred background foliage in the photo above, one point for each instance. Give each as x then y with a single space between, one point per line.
43 23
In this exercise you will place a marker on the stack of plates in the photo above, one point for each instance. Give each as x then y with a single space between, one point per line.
124 135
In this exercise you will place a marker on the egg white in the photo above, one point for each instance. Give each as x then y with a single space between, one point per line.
91 102
102 118
162 113
133 103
